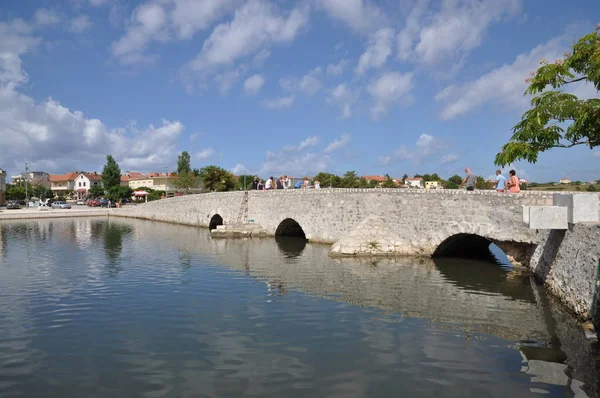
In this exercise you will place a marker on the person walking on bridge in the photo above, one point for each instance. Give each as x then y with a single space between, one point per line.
470 180
500 182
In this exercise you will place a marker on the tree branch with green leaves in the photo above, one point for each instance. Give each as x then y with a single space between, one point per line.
558 119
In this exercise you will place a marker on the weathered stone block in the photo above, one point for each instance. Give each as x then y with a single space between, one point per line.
548 217
526 214
581 207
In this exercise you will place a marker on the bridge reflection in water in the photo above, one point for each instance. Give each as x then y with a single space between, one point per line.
468 296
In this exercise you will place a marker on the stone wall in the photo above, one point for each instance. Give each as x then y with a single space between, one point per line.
567 263
411 222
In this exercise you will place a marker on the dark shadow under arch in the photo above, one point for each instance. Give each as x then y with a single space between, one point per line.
470 246
290 246
215 221
290 228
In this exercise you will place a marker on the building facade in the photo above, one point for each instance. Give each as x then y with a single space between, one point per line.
33 178
414 182
565 181
63 184
433 185
84 182
156 181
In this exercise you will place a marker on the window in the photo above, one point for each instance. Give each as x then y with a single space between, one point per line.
84 183
80 183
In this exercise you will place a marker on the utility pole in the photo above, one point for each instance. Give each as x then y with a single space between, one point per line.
26 192
166 181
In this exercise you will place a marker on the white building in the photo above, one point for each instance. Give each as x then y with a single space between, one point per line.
433 185
2 187
414 182
84 182
34 178
565 181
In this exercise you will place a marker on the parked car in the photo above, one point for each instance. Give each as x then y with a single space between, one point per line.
13 204
80 202
93 202
103 203
61 205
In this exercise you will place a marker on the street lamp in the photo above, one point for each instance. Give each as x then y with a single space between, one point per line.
166 182
26 192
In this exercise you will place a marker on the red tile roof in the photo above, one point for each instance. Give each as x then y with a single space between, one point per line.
414 179
63 177
93 176
376 178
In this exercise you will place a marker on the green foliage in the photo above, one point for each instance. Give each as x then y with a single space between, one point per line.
40 191
350 180
217 179
558 119
328 179
591 188
431 177
363 183
388 183
483 184
523 186
404 177
456 179
186 180
15 192
95 191
61 198
240 183
154 195
119 193
373 184
111 174
450 185
183 163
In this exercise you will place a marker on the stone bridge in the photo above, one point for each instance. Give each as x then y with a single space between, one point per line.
371 221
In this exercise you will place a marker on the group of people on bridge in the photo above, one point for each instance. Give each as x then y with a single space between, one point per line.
512 185
283 182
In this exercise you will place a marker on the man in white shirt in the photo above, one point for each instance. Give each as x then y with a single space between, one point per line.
500 181
269 183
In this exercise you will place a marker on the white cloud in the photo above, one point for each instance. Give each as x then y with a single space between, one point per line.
449 158
227 79
253 84
307 143
344 98
49 134
256 24
338 143
378 50
504 85
205 153
260 58
80 24
239 169
337 69
191 16
389 89
360 15
308 84
16 40
193 136
425 147
452 31
148 22
300 165
46 17
279 102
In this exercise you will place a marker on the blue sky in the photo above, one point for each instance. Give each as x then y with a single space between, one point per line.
280 87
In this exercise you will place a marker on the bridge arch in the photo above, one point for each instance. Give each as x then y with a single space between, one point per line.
215 221
464 245
290 228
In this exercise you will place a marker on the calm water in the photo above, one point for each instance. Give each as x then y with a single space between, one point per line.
123 308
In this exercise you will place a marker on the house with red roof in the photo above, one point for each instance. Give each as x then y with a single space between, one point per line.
84 182
414 182
63 184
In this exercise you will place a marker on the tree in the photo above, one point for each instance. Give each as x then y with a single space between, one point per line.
186 180
217 179
183 163
558 119
388 183
483 184
350 180
404 177
591 188
248 178
119 193
450 184
15 192
363 183
111 174
40 191
456 179
328 179
95 191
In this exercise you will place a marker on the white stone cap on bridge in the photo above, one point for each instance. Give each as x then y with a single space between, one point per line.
567 208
